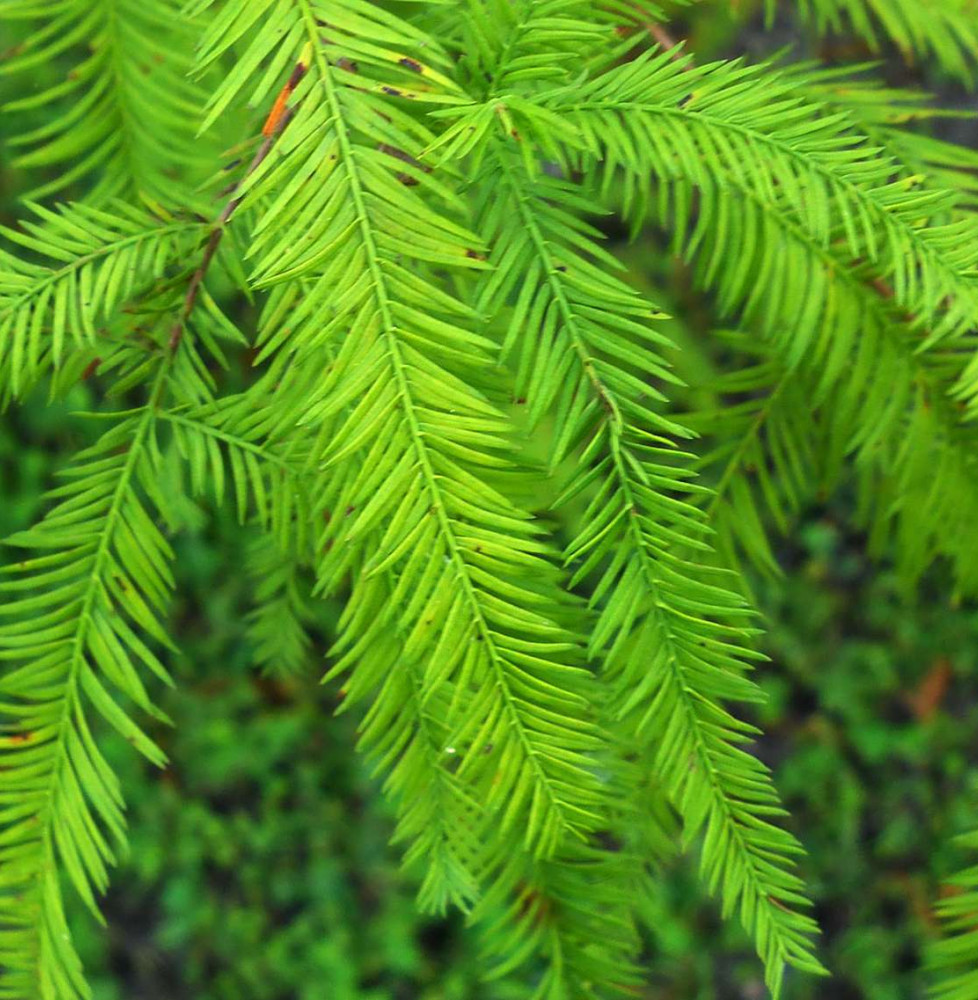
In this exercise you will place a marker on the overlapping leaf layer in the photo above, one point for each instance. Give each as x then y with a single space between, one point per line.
549 647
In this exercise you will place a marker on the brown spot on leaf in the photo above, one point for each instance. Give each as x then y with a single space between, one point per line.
411 64
404 157
399 154
297 74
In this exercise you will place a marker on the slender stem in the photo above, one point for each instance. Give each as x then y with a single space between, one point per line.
277 122
668 44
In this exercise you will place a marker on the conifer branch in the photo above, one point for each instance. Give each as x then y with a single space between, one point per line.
867 413
67 782
552 815
108 560
943 30
97 261
951 960
824 174
690 632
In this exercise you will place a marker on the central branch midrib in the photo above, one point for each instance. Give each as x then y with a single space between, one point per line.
408 408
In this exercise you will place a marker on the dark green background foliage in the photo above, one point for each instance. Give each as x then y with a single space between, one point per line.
259 861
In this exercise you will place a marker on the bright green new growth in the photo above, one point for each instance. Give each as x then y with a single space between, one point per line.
416 232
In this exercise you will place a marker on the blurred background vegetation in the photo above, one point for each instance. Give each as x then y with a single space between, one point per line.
260 867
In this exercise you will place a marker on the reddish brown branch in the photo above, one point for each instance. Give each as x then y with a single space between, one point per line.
276 123
667 43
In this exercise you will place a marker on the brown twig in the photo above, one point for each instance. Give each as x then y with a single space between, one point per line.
275 124
667 43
